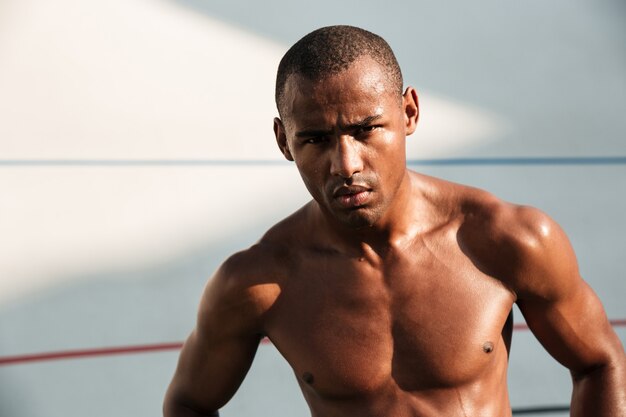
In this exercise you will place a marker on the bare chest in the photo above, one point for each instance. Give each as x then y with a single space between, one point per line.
348 327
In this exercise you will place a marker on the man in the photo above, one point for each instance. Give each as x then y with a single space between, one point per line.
390 293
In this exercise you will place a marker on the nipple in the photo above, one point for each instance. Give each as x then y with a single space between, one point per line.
488 347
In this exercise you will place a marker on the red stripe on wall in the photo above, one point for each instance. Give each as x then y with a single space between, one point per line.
82 353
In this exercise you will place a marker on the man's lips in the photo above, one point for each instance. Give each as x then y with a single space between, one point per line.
351 196
349 189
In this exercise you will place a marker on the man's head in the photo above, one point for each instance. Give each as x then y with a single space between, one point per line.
344 122
330 50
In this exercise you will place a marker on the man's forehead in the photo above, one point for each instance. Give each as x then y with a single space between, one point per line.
362 84
311 111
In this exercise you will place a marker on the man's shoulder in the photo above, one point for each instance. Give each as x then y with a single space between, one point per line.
483 218
250 281
502 221
262 263
267 261
504 224
507 240
243 288
480 210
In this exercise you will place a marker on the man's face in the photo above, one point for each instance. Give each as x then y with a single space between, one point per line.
346 134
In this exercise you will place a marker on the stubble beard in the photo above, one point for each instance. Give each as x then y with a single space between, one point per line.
357 218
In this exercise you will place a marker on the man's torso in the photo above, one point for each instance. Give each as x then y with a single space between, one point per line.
415 329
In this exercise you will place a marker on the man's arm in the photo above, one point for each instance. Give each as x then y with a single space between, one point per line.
218 353
566 316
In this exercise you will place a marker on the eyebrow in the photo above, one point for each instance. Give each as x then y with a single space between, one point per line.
312 133
319 132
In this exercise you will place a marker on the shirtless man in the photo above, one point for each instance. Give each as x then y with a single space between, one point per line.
390 293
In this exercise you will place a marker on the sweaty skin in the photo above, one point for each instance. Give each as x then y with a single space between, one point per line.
390 293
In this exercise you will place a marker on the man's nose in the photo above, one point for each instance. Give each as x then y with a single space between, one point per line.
346 159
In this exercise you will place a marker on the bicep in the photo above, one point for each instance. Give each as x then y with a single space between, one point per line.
210 369
573 327
218 353
560 308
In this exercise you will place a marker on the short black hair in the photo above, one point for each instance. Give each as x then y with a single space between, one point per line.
332 49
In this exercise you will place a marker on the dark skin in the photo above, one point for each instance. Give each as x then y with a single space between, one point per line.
390 293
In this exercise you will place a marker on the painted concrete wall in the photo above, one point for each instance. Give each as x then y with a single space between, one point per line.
136 153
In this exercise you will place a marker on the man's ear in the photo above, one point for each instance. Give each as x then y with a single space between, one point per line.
281 138
411 109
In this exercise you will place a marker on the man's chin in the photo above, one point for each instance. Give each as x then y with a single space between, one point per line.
357 219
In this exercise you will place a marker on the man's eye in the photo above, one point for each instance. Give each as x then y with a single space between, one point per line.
315 140
367 129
